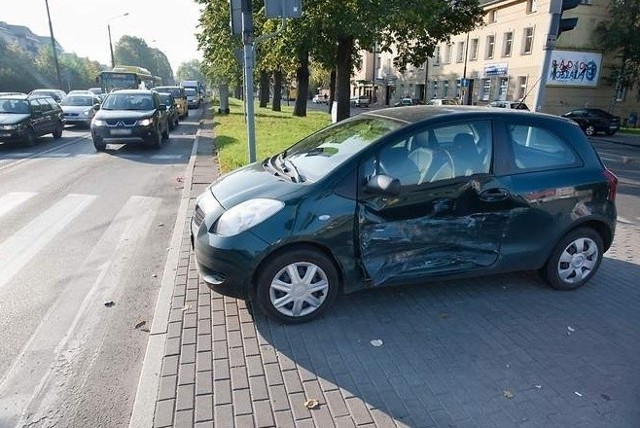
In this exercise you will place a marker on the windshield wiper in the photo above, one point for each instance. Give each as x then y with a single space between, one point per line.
289 168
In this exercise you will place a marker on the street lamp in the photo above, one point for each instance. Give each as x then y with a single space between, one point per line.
113 61
53 45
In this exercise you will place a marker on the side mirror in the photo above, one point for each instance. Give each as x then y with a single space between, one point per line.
162 107
383 184
96 107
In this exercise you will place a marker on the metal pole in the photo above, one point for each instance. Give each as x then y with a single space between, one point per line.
113 62
555 9
53 45
247 41
465 85
373 76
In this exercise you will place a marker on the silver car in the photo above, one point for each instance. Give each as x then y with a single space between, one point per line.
79 109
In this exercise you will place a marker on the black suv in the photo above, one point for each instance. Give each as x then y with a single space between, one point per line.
130 116
24 118
593 120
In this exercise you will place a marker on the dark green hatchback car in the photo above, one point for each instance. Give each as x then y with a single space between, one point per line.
405 195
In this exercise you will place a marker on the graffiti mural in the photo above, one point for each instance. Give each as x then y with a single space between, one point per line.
568 68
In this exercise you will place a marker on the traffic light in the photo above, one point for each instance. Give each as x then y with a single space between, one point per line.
566 24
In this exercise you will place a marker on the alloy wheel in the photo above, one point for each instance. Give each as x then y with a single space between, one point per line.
299 289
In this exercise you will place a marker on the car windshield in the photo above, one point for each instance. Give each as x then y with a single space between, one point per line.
77 100
117 101
173 91
190 91
14 106
320 153
166 99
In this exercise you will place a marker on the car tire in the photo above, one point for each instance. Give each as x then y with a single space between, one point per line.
57 133
99 144
574 260
610 133
293 300
156 142
590 130
30 141
165 133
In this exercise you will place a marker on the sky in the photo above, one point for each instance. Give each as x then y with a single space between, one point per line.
80 26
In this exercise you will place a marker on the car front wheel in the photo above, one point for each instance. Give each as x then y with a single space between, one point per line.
297 286
57 133
99 144
574 260
30 140
590 130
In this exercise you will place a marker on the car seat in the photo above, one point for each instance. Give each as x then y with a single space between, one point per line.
466 156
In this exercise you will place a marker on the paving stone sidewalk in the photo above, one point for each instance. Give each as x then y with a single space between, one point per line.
500 351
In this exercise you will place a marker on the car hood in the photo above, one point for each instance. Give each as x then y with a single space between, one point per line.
251 181
11 118
123 114
75 109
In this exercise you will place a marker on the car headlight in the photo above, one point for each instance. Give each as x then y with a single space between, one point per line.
9 127
98 122
145 122
246 215
88 112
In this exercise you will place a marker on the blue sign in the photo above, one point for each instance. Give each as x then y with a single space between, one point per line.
496 70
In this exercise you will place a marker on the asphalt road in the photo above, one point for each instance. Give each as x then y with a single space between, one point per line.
78 229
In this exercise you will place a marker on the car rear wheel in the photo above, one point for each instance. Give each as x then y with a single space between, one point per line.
297 286
99 144
574 260
589 130
30 141
57 133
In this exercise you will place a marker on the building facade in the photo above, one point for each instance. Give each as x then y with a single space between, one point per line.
503 60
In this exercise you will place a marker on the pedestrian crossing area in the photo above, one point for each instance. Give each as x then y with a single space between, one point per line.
30 223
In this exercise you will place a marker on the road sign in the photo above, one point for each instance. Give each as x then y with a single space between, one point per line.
283 8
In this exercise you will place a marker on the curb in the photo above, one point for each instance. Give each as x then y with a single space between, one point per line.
145 400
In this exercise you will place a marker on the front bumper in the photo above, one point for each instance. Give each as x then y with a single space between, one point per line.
136 133
14 135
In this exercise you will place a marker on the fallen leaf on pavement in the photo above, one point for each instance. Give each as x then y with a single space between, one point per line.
109 303
376 342
140 324
311 403
508 394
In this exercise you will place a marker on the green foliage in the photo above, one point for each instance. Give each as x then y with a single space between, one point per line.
275 131
131 50
621 35
190 70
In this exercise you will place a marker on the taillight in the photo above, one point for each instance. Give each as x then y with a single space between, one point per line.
612 182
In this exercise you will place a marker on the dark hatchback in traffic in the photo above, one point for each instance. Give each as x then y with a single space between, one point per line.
130 116
25 118
406 195
594 120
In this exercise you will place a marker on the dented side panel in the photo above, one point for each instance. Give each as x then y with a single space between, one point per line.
430 231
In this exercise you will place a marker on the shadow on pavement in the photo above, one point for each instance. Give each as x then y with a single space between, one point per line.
494 351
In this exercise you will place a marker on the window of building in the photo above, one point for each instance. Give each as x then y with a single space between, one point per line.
527 44
492 16
447 53
491 42
522 87
436 56
434 89
485 89
503 88
620 93
508 43
445 89
458 88
460 53
532 6
473 50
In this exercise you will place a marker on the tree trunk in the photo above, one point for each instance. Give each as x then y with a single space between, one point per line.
332 88
343 77
302 75
224 99
277 90
264 88
238 90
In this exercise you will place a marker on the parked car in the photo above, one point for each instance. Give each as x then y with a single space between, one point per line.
193 97
130 116
79 108
320 99
56 94
594 120
516 105
12 93
404 102
172 109
443 102
25 118
405 195
360 101
180 97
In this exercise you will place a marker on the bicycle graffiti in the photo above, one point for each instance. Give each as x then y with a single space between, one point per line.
570 71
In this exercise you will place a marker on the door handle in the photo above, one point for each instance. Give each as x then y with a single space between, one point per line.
494 195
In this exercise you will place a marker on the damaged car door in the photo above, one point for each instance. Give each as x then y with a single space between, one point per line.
429 205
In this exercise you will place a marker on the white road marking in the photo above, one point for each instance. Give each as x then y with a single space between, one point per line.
17 155
58 155
21 247
11 200
34 383
167 157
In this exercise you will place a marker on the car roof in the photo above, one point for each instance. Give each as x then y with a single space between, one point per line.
15 97
415 114
133 91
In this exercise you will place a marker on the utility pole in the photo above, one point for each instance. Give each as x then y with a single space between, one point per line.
53 45
247 44
465 84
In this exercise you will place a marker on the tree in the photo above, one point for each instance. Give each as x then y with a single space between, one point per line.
621 36
130 50
190 70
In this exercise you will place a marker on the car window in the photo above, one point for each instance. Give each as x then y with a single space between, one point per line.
44 105
321 152
537 148
14 106
118 101
78 100
436 153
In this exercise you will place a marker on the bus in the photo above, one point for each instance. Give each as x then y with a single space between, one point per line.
127 77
